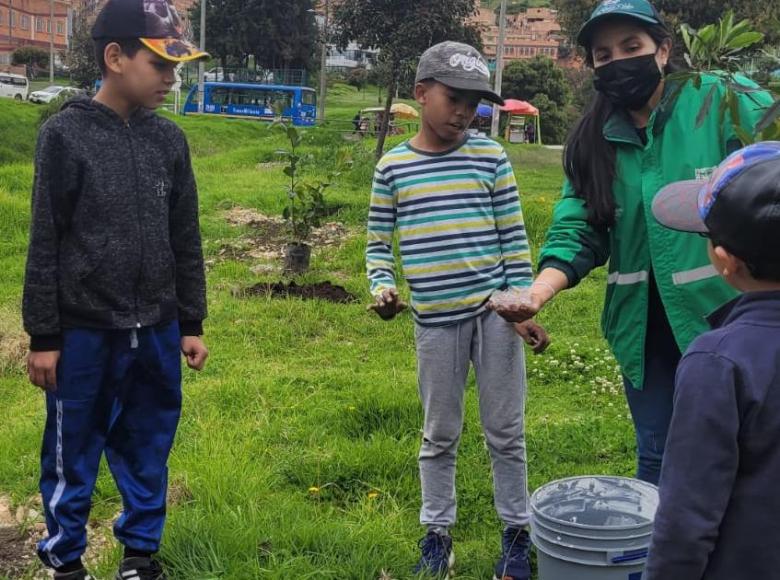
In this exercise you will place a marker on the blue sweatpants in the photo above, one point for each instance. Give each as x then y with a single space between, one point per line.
118 392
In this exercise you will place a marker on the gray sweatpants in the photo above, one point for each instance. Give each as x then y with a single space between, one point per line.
443 357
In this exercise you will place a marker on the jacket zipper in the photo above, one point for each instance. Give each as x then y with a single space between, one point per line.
140 229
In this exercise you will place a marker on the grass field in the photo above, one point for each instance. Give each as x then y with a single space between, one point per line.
296 455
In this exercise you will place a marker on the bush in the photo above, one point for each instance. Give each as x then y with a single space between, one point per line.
358 78
555 120
50 109
31 56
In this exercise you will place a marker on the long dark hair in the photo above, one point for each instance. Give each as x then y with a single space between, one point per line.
589 159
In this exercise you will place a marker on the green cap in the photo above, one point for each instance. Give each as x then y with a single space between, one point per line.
641 10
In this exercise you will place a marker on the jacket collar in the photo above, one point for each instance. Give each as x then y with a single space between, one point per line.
620 127
107 114
757 307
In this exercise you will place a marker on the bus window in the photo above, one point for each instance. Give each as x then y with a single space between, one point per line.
220 96
308 98
242 96
285 99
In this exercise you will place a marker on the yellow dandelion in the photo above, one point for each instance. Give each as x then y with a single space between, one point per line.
373 495
314 490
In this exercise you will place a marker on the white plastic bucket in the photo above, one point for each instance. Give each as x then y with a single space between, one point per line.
593 528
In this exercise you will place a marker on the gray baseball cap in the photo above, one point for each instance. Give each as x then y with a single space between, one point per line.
458 66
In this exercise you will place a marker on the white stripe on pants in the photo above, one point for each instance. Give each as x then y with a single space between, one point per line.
444 355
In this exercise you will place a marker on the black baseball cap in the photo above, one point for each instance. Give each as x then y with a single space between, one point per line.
640 10
154 22
458 66
739 206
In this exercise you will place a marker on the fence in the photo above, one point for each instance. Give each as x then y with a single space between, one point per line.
290 77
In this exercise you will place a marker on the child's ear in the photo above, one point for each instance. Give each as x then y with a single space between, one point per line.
421 93
112 55
728 264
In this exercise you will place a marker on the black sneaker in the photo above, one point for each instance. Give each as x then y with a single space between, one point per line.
437 557
77 575
515 563
140 569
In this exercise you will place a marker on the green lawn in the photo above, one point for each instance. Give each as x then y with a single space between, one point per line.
296 455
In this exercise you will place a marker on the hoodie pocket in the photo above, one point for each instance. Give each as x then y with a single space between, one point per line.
93 260
80 259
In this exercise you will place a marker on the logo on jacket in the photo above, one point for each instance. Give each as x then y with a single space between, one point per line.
161 189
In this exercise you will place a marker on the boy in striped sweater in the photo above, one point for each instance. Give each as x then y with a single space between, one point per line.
454 201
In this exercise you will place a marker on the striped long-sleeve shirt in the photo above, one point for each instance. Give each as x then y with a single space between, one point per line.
461 229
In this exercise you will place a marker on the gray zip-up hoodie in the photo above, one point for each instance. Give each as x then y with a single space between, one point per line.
114 239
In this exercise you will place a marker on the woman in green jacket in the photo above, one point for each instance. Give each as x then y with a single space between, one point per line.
638 135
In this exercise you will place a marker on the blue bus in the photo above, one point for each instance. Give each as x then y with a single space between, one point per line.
254 101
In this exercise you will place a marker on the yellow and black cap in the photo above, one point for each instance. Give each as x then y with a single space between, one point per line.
156 23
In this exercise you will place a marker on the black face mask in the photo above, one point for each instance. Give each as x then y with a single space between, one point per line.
629 83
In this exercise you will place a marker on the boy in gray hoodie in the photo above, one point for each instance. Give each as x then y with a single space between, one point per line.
114 289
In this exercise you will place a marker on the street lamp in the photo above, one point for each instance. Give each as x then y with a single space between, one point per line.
494 128
323 61
51 42
201 64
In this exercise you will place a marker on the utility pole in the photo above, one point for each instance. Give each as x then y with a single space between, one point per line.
51 42
324 63
201 64
494 128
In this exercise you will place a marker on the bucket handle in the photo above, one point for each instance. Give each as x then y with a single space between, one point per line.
629 556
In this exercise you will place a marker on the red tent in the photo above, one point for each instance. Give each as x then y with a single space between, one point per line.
520 108
514 130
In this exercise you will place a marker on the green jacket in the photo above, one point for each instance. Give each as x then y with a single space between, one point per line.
638 246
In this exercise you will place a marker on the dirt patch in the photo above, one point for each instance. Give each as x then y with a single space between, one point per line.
17 547
15 555
22 527
322 291
268 236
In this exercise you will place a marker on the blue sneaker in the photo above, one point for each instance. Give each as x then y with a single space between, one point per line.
515 563
437 557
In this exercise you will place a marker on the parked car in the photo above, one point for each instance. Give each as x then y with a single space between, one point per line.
48 94
214 75
217 75
14 86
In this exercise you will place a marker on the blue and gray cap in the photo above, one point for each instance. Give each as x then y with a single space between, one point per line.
458 66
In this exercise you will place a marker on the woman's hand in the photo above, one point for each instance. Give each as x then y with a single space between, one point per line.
549 283
519 311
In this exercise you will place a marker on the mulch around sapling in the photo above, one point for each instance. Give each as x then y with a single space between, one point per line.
320 291
267 237
265 243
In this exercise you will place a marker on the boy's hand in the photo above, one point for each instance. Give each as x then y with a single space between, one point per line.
194 351
388 305
42 369
534 335
519 312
